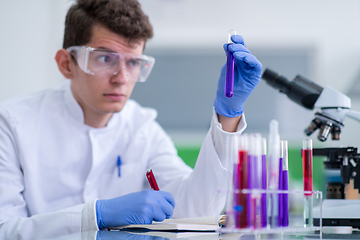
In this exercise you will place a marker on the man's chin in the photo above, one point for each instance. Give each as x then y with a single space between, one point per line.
111 107
115 109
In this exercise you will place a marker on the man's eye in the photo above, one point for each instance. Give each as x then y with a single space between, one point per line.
104 59
134 62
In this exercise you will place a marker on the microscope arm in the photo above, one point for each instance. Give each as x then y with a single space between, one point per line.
354 115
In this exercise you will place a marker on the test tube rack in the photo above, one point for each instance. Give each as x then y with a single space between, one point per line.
298 224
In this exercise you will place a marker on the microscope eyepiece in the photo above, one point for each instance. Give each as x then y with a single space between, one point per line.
300 90
276 81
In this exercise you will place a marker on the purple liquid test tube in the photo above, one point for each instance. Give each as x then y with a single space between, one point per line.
285 221
255 180
263 185
230 64
249 186
281 185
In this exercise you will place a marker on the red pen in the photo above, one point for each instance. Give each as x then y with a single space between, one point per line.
151 178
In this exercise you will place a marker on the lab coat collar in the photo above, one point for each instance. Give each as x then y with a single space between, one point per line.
77 113
71 104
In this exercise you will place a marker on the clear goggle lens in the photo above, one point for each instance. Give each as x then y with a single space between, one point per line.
106 63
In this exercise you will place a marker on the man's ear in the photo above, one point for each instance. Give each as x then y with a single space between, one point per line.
65 63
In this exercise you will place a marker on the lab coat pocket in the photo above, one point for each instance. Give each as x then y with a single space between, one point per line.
130 180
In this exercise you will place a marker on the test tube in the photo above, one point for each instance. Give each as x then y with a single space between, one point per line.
232 155
258 179
263 184
281 185
240 202
285 222
308 181
250 170
274 152
230 64
254 180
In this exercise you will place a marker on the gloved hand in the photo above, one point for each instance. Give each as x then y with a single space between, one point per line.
247 73
135 208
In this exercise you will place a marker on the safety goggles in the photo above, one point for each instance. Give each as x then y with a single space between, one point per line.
105 63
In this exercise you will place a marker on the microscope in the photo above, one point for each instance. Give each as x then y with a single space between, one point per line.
333 107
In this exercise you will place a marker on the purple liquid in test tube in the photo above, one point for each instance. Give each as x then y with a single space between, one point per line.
263 185
281 185
285 221
230 64
273 173
249 186
255 180
255 201
281 198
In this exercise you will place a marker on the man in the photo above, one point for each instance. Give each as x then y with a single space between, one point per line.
59 149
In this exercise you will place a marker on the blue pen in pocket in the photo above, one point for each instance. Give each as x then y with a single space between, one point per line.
119 165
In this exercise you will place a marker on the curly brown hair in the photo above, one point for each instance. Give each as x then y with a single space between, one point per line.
123 17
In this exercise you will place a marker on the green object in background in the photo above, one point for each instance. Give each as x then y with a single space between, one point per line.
189 155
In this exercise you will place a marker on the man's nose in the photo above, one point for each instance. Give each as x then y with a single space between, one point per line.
121 76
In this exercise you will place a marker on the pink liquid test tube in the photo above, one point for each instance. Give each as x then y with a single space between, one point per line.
240 183
307 154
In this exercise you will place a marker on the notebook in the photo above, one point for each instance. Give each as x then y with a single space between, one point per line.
199 224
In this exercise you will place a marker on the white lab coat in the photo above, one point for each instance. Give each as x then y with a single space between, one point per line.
53 167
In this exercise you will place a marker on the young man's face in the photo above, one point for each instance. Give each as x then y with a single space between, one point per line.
98 95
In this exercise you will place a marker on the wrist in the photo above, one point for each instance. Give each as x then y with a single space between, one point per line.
229 124
99 220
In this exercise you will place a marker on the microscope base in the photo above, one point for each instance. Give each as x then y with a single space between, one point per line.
338 212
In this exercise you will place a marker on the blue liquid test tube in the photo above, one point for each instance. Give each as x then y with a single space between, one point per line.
230 64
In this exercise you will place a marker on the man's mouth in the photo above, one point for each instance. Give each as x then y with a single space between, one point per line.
115 96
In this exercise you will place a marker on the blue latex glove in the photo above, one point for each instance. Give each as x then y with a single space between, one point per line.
247 73
135 208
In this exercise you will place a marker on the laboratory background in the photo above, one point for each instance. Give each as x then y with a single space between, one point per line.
316 39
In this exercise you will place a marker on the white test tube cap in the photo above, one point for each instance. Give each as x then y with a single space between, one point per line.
274 127
307 144
282 149
243 142
252 144
258 142
286 156
263 146
231 33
